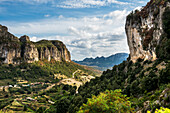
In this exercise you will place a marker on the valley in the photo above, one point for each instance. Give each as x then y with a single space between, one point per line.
26 96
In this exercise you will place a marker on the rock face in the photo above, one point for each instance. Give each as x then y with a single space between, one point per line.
29 52
16 51
52 50
9 47
144 30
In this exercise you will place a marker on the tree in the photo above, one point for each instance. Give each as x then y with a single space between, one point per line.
62 105
25 108
107 102
41 110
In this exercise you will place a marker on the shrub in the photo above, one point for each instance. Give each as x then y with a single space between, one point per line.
25 108
109 101
161 110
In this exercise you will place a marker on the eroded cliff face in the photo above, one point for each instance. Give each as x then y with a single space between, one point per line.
64 53
16 51
29 52
9 47
52 50
144 30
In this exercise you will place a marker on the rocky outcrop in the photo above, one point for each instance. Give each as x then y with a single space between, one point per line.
63 50
15 51
9 47
52 50
29 52
144 30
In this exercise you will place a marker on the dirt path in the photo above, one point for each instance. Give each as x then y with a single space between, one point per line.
75 72
48 88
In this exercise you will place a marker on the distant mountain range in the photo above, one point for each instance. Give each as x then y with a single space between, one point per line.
103 63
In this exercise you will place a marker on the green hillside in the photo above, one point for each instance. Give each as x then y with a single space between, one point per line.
38 71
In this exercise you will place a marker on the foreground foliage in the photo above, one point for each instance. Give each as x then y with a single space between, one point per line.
107 102
161 110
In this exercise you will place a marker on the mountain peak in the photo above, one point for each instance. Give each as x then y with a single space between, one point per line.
103 63
24 38
3 28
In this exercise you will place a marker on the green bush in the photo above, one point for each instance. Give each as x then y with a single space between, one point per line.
161 110
107 102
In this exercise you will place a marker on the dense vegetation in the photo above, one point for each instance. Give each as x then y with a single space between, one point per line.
29 87
107 102
44 43
136 82
61 95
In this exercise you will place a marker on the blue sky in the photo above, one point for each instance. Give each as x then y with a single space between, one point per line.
89 28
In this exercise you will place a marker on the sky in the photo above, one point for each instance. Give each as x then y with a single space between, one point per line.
89 28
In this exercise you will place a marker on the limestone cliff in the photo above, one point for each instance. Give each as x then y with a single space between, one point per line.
16 51
52 49
9 47
29 52
144 30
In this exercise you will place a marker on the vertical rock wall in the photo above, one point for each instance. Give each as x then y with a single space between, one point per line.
9 47
144 30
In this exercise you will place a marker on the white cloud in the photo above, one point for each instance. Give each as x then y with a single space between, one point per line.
36 1
47 15
61 17
34 39
79 33
84 37
138 8
30 1
117 13
141 2
44 1
74 3
82 3
118 2
91 27
82 44
88 3
94 2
